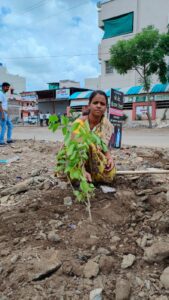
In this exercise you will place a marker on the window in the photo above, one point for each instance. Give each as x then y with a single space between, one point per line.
119 25
108 68
168 73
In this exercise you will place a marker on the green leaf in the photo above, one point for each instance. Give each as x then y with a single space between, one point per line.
75 126
53 126
77 174
64 120
64 130
70 149
73 156
53 118
104 147
59 168
84 185
67 138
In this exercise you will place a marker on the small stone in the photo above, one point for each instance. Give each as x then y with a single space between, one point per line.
107 189
141 294
91 269
53 237
122 289
128 260
143 192
47 185
68 201
164 278
1 185
4 199
156 216
96 294
62 185
56 223
35 173
106 264
138 281
14 258
4 252
2 297
23 240
115 240
103 251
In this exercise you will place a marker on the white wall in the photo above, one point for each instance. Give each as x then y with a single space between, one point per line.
16 81
68 83
92 83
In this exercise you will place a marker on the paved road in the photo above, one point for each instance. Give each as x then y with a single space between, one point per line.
138 137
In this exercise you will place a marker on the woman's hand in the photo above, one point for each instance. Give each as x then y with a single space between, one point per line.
110 162
88 176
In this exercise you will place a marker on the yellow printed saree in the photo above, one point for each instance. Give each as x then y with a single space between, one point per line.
96 164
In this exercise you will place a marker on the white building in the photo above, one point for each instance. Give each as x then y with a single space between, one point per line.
68 83
17 82
122 19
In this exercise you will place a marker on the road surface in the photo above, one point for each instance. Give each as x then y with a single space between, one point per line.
133 137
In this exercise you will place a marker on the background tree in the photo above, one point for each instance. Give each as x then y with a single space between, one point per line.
146 54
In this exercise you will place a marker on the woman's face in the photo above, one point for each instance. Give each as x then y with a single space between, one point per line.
98 106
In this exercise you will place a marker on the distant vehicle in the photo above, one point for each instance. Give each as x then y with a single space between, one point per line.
33 120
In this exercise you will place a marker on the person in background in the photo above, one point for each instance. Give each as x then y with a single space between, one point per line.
41 118
4 116
47 118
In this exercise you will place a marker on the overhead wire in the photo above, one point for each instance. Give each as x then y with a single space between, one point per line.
53 56
32 7
61 13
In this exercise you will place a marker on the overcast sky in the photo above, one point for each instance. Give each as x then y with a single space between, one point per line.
46 28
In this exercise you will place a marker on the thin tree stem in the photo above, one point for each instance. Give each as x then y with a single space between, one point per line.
88 205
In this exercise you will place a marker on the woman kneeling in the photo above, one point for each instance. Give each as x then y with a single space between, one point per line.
100 166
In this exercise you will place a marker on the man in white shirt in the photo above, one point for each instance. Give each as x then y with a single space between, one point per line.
47 118
4 117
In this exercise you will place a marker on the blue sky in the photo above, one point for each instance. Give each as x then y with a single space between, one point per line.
61 34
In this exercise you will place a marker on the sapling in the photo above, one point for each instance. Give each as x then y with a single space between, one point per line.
72 157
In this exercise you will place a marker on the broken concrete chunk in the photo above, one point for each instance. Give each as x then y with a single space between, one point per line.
157 252
96 294
68 201
107 189
128 261
91 269
122 289
54 237
18 188
164 278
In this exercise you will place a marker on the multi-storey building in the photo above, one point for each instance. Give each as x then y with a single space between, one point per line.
122 19
18 83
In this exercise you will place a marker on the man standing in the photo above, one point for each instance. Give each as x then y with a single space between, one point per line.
41 118
4 117
47 118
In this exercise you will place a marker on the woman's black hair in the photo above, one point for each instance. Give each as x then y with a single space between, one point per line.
94 93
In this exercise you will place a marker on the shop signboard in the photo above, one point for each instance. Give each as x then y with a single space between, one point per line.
29 96
141 112
62 94
116 117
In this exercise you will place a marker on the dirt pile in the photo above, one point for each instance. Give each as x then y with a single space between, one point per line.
49 249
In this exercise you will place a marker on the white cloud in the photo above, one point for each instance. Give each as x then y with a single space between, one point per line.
60 28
